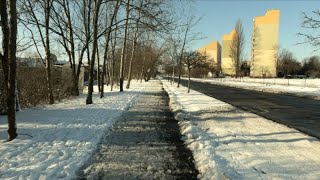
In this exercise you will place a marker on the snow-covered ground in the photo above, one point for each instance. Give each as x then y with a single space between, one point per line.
313 83
64 135
296 86
229 143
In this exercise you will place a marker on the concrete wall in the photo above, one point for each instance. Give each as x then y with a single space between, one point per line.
264 44
227 65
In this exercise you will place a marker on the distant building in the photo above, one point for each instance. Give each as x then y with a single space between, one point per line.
213 51
227 64
264 44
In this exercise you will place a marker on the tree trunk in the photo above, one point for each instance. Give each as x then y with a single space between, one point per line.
75 78
238 61
12 134
180 59
104 69
5 40
143 62
123 54
75 89
134 45
179 72
49 77
172 74
131 59
112 68
95 43
108 34
141 74
113 60
98 70
189 79
47 51
107 76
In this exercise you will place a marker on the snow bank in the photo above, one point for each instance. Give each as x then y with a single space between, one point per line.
313 83
229 143
64 135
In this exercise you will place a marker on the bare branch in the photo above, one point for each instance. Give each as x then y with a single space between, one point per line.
311 22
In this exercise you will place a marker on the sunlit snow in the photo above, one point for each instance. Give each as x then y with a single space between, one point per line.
64 135
229 143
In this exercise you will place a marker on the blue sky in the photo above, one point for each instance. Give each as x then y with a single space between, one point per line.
220 16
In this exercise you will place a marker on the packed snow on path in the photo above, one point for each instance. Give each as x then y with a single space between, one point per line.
64 135
144 144
228 143
296 86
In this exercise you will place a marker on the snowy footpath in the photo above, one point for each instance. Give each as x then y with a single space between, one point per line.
64 135
228 143
145 143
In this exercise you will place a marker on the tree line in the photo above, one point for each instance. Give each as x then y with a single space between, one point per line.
289 65
118 39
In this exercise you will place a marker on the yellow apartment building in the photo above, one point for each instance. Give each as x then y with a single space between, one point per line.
264 44
213 51
227 64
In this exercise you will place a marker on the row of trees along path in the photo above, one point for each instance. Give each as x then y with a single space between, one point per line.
125 39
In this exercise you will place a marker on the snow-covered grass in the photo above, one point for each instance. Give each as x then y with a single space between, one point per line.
229 143
312 92
64 135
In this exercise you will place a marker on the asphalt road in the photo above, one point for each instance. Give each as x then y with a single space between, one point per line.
295 112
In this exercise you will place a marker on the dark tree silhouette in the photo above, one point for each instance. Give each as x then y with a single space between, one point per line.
8 58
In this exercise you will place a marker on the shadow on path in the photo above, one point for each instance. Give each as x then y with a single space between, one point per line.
144 144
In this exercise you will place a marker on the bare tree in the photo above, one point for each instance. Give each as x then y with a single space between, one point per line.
48 5
288 64
31 17
113 57
311 22
134 42
311 66
237 47
192 60
173 55
124 46
63 26
188 36
8 57
275 49
100 84
97 5
5 39
108 35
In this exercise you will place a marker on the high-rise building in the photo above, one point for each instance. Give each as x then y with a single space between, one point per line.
265 44
213 52
227 64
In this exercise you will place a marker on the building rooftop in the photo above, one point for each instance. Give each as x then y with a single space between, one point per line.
229 36
211 45
271 16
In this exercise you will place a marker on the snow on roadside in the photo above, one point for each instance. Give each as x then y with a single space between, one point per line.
308 92
229 143
64 135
